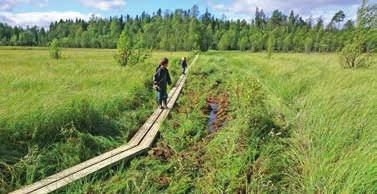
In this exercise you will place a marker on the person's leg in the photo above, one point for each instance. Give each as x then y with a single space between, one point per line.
164 99
159 99
165 103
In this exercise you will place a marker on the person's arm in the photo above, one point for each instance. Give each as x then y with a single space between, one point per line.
168 77
156 77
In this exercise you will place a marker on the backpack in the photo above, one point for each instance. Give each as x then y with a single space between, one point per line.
155 86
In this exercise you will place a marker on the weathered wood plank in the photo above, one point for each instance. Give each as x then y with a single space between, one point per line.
91 169
76 168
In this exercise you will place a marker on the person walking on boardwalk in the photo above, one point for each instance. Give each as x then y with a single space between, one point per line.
161 80
184 65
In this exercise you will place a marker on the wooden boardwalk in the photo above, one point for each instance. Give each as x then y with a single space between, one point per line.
139 143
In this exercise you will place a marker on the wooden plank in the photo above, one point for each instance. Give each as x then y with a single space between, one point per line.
80 174
149 138
135 140
140 142
141 133
76 168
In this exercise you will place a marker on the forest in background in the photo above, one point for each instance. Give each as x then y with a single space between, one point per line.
189 30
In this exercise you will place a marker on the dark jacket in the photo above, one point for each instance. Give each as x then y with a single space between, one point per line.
184 63
162 78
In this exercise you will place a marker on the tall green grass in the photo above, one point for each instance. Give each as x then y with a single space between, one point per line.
332 111
189 159
297 124
56 113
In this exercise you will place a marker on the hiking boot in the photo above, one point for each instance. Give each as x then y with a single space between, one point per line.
164 105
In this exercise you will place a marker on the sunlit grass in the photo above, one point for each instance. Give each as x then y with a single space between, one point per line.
332 112
56 113
309 129
296 123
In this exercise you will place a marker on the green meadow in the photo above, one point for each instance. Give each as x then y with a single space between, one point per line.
57 113
295 123
292 123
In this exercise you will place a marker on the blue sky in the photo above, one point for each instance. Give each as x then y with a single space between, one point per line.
42 12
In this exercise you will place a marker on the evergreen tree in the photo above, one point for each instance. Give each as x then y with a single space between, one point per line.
270 45
188 30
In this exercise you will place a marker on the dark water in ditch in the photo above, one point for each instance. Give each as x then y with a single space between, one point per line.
212 117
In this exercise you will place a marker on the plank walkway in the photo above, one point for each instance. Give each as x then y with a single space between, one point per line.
139 143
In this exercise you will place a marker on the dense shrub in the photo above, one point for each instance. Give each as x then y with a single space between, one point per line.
128 53
55 51
353 54
357 52
124 47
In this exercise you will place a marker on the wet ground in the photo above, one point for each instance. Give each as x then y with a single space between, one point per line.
212 117
217 112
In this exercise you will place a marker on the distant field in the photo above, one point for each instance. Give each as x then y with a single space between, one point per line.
295 123
58 113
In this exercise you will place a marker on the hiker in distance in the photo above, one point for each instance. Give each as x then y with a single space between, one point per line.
184 65
161 80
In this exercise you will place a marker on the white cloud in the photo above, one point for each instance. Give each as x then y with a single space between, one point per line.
104 5
42 19
306 8
248 6
8 5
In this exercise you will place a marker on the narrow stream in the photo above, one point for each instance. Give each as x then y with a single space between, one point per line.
213 117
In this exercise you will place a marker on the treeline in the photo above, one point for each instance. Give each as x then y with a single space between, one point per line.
188 30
